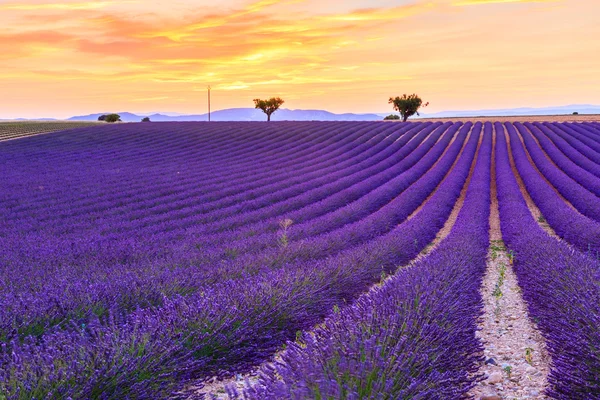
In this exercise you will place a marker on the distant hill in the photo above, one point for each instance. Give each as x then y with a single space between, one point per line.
507 112
251 114
241 114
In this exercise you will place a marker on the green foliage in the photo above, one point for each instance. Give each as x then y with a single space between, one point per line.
113 118
268 106
102 118
391 117
407 105
497 293
529 355
146 119
575 113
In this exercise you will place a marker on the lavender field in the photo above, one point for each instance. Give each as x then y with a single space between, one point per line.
140 261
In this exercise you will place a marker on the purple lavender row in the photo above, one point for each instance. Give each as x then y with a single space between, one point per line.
228 327
342 206
591 130
187 153
595 126
390 343
574 130
568 135
92 250
584 133
171 178
52 285
585 201
582 232
278 202
99 215
111 203
297 184
573 154
396 157
73 256
583 177
370 216
366 142
85 161
345 206
73 146
559 286
55 282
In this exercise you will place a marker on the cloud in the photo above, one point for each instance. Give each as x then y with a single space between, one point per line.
319 56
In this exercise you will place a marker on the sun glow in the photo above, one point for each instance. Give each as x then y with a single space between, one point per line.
68 57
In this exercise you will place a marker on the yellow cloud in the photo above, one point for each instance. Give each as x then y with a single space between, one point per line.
382 14
76 53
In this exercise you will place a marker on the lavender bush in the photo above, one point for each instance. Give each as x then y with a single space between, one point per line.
138 259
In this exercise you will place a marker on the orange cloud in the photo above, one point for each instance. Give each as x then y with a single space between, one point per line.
142 56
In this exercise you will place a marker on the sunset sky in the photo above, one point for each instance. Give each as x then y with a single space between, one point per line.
60 58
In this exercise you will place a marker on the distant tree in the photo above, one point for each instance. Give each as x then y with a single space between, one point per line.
391 117
102 118
146 119
575 113
407 106
268 106
113 118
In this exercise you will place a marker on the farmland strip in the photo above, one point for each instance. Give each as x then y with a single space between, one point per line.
559 286
578 152
582 232
375 347
583 177
268 308
584 201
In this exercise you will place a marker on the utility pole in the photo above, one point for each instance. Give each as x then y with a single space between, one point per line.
209 103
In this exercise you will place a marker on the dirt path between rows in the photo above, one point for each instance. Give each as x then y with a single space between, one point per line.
516 360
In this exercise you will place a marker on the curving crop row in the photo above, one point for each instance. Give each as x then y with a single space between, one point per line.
586 132
582 232
560 287
138 259
195 158
223 327
50 216
591 130
190 281
574 155
570 136
585 201
583 177
412 337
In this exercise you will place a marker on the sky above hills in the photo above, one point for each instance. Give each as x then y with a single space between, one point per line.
60 58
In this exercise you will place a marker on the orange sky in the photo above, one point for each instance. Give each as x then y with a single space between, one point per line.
61 58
